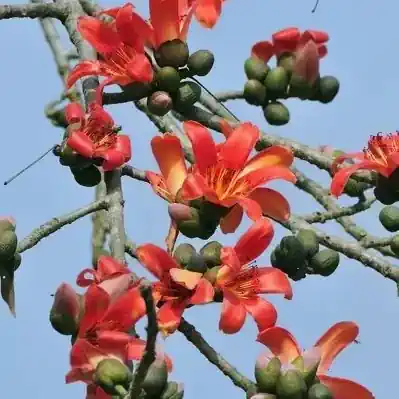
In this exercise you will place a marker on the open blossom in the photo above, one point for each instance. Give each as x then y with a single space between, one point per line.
222 172
93 135
121 47
241 282
283 345
176 289
380 155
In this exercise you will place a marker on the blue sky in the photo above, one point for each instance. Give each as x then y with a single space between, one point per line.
34 358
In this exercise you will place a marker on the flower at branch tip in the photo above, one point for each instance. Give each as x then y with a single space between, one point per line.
381 155
66 310
176 289
315 363
241 282
94 135
120 44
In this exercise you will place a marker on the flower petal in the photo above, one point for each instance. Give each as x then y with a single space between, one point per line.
263 50
140 68
195 186
74 113
233 314
230 222
204 293
343 175
228 257
185 278
207 12
107 266
124 146
317 36
336 339
345 389
254 241
261 176
169 155
113 159
307 62
165 20
273 204
84 68
203 145
251 208
81 143
274 281
116 286
169 316
280 342
155 259
286 40
235 151
83 356
83 281
263 312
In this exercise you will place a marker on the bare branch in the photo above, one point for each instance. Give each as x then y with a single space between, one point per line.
229 95
45 10
134 173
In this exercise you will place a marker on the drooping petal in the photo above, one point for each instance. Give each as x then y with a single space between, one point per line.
124 146
140 68
235 151
272 156
84 68
251 208
156 259
185 278
274 281
169 155
261 176
233 314
281 342
81 143
263 50
74 113
254 241
343 175
230 222
273 204
107 266
263 312
203 145
99 34
165 20
169 316
207 12
336 339
345 389
113 159
204 293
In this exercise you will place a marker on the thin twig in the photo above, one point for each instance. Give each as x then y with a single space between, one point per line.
45 10
134 173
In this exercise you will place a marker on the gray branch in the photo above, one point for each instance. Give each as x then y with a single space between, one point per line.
45 10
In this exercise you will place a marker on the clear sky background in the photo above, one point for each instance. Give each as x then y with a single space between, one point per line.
362 54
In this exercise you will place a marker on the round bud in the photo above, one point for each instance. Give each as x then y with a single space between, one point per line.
172 53
291 252
276 114
267 372
7 224
197 264
325 262
256 69
211 274
300 87
276 82
254 92
184 253
291 385
201 62
187 95
355 188
111 373
68 157
8 244
309 241
211 253
159 103
168 79
286 60
389 218
170 390
319 391
328 89
87 177
156 378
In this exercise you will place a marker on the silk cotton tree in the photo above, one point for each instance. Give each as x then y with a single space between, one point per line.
209 182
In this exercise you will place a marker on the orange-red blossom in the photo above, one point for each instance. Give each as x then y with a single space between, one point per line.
222 173
283 345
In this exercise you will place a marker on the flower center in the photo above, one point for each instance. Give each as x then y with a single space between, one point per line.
117 61
103 136
169 291
245 284
381 147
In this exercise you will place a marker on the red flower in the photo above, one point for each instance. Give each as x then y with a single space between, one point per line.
93 135
381 155
326 349
207 12
177 287
241 282
290 40
121 46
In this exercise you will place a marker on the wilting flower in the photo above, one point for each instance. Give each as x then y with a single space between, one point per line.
177 288
327 348
207 12
380 155
241 282
121 47
93 135
290 40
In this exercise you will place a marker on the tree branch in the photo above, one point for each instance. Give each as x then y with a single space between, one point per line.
229 95
55 224
134 173
44 10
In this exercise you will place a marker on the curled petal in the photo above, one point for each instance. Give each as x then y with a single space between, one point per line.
253 243
232 220
83 357
263 312
263 50
274 281
317 36
345 389
207 12
116 286
226 128
107 266
280 342
113 159
251 208
84 68
186 278
74 113
156 259
204 293
262 176
203 145
336 339
83 279
286 40
233 315
81 143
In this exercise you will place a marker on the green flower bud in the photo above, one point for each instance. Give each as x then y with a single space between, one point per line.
309 240
156 378
168 79
170 389
325 262
211 274
11 265
276 114
256 69
300 87
187 95
184 253
389 218
8 244
308 364
159 103
172 53
201 62
254 92
267 373
211 253
87 177
276 82
68 157
112 376
292 251
319 391
291 385
355 188
286 60
7 224
197 264
328 89
179 394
